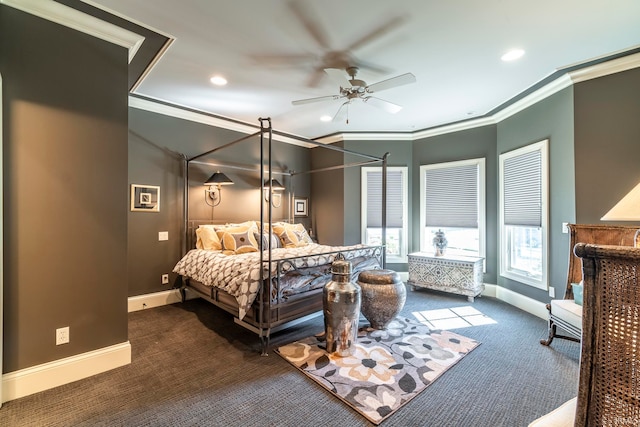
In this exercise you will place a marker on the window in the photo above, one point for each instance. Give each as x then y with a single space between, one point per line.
524 214
396 249
452 199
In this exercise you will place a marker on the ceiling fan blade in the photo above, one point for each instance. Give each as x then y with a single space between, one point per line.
317 99
387 106
315 78
338 76
371 67
377 33
400 80
282 60
342 113
305 15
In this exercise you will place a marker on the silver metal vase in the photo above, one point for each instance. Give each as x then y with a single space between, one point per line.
341 308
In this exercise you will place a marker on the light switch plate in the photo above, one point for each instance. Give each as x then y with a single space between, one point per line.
163 235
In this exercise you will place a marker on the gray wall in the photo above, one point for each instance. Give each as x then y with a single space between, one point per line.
65 190
463 145
607 141
327 196
550 119
156 145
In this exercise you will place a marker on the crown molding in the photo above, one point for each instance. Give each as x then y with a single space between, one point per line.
368 136
72 18
563 81
454 127
181 112
77 20
544 92
613 66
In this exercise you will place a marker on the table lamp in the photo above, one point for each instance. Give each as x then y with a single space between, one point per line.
627 209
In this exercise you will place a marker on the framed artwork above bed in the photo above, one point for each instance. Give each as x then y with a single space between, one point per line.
300 206
145 198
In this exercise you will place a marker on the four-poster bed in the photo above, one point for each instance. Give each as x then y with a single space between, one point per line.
268 274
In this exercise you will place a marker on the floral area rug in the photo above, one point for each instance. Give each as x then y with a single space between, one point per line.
388 369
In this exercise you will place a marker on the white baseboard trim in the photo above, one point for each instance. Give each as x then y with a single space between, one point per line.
489 290
156 299
64 371
515 299
527 304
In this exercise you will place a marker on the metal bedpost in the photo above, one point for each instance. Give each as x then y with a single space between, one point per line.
384 209
185 204
264 339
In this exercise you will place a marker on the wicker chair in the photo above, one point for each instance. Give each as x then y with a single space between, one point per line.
609 385
564 313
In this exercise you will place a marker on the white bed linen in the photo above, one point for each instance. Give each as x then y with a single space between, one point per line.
239 275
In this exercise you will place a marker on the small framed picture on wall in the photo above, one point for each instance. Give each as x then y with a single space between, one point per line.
145 198
300 206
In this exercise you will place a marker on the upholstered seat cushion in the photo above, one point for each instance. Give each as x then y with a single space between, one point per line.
562 416
567 310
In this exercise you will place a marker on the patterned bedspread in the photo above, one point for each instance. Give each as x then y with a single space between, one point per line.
239 275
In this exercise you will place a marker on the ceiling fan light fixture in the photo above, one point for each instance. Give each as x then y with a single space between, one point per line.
512 55
358 89
325 118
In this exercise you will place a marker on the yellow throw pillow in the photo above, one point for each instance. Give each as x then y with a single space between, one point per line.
207 239
239 242
235 228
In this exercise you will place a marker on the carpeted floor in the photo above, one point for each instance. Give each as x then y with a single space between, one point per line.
192 366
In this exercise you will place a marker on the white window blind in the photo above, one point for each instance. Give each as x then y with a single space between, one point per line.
394 198
451 196
523 189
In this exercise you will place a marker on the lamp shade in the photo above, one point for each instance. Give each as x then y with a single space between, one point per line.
275 185
218 178
627 209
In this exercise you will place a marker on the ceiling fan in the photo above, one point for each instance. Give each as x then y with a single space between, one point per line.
353 88
324 55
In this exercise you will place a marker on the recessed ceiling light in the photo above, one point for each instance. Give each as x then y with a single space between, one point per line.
512 55
325 118
218 80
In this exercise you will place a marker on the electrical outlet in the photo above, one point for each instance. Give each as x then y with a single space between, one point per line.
62 335
163 235
165 279
552 292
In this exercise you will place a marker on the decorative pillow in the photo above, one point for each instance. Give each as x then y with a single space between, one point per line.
577 292
302 234
239 242
245 224
235 228
275 241
292 235
207 239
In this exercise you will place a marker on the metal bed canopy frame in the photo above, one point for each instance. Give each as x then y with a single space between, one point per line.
266 138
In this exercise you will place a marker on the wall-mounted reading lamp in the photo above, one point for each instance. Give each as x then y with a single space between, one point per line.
627 209
214 182
276 196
